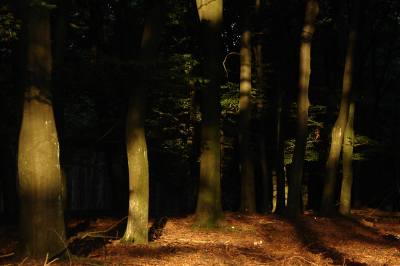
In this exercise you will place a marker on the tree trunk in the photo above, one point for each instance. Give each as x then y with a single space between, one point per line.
347 182
248 201
278 167
40 187
328 196
294 202
59 49
209 210
136 147
266 178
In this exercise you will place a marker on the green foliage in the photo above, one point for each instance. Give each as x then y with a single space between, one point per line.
9 26
43 4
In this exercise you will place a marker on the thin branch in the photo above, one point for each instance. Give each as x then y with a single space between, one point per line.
225 61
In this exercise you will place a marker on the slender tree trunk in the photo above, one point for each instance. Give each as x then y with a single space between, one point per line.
278 168
135 131
209 210
328 196
192 141
347 182
266 178
40 185
294 202
248 200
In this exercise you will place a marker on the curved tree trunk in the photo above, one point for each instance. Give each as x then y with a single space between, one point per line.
328 196
209 210
136 146
294 204
248 200
347 182
40 187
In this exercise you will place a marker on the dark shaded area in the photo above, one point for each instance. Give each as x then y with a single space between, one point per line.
156 229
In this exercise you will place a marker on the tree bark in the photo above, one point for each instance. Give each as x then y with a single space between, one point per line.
327 204
59 49
209 210
266 177
248 201
40 186
136 146
347 182
294 204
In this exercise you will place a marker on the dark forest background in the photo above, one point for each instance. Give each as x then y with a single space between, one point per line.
96 74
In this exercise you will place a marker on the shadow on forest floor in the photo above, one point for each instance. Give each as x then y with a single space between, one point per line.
366 238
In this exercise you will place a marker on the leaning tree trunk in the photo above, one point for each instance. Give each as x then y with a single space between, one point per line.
347 182
294 204
136 147
41 214
248 200
328 196
209 210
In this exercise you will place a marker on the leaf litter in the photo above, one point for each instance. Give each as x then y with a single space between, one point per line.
367 237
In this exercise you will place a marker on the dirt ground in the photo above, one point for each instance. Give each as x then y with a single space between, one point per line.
369 237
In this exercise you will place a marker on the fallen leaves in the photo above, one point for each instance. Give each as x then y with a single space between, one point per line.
246 239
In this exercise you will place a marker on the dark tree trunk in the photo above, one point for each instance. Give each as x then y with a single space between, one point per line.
294 202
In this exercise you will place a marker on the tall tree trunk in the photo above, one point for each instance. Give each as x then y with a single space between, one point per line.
347 182
248 200
135 131
192 140
278 167
59 49
266 178
40 187
294 202
328 196
209 210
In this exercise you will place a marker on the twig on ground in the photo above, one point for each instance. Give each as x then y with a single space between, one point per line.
65 245
45 262
302 259
23 261
6 255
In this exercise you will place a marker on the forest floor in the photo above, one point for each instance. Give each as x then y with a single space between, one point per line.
368 237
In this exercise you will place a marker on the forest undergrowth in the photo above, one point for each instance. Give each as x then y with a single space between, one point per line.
368 237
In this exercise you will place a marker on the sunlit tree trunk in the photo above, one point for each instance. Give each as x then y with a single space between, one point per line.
41 213
248 201
208 210
294 203
136 146
347 182
328 196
